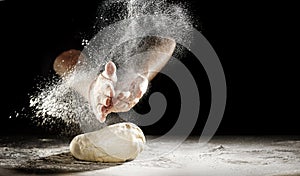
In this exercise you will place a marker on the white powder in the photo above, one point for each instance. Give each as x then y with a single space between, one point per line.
58 106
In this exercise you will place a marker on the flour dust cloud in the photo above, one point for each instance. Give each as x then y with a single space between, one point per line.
120 26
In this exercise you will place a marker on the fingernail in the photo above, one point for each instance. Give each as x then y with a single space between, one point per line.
108 100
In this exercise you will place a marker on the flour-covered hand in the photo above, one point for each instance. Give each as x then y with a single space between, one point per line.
105 97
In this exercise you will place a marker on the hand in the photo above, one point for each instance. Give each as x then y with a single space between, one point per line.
106 98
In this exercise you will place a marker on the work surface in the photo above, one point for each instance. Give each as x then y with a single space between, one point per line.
223 155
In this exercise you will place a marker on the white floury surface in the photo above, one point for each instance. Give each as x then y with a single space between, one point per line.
224 155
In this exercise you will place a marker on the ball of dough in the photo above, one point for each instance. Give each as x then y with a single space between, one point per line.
115 143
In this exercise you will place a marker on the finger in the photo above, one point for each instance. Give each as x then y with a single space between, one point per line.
102 119
143 86
110 68
110 71
120 106
102 113
138 87
123 95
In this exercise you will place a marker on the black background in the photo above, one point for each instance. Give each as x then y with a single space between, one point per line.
257 45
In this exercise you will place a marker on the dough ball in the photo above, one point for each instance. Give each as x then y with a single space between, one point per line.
115 143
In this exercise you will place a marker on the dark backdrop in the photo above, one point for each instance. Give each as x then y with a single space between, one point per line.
257 45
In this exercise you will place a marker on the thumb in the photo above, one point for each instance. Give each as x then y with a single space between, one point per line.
110 71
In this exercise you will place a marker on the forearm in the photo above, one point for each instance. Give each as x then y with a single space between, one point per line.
153 55
156 55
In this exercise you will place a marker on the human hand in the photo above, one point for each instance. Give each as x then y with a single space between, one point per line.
105 97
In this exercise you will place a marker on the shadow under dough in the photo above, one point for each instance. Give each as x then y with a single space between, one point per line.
60 163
